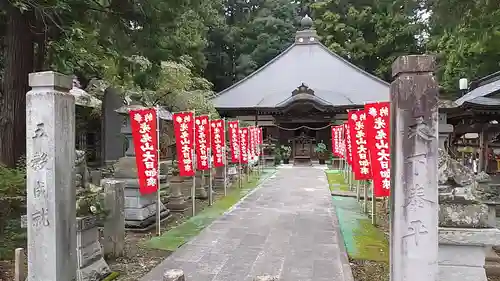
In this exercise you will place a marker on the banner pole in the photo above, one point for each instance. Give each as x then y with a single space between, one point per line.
210 183
358 190
240 180
193 188
224 157
158 198
365 195
374 205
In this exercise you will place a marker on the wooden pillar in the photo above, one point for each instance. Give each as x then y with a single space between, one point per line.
481 160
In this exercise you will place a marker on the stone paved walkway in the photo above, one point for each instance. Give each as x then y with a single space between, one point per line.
287 227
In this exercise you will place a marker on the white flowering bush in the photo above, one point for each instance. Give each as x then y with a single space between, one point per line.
91 203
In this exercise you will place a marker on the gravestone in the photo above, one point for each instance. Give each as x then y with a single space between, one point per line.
50 156
414 160
112 138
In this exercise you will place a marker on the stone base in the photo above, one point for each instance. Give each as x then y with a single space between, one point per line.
146 224
93 272
462 252
91 265
176 207
140 210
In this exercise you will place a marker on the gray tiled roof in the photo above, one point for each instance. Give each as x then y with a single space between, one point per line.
333 80
482 91
484 101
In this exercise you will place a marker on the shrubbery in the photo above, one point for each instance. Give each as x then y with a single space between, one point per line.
12 202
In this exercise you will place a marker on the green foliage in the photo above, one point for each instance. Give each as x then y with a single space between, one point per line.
370 34
91 203
466 37
320 148
285 151
12 182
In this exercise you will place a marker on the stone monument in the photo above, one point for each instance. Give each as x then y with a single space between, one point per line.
466 218
140 210
112 139
414 148
50 156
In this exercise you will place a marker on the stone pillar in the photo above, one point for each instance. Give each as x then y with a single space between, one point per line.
414 137
50 157
112 140
114 225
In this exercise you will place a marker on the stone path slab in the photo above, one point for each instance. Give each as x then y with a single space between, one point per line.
287 227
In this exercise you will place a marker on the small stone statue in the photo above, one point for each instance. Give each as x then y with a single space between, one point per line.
82 177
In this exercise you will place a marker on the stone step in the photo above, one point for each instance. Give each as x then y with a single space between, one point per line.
492 265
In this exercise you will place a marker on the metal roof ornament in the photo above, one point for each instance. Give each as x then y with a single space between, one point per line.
306 22
303 89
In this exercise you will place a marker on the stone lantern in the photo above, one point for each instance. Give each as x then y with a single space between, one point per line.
140 210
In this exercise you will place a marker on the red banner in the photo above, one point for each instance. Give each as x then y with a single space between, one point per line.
143 125
378 130
261 136
347 144
184 139
234 138
361 159
202 141
259 139
336 140
252 145
244 145
341 142
218 135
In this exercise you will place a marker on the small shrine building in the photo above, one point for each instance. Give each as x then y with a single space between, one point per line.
299 93
475 117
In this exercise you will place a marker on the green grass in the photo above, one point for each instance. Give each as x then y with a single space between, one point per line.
363 241
336 180
176 237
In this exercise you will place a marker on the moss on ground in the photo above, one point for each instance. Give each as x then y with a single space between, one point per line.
370 242
336 180
112 276
176 237
363 240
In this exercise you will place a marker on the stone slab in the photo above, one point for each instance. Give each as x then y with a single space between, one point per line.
89 254
285 228
86 237
94 272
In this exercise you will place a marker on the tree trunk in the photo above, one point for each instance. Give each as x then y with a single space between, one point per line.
18 64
